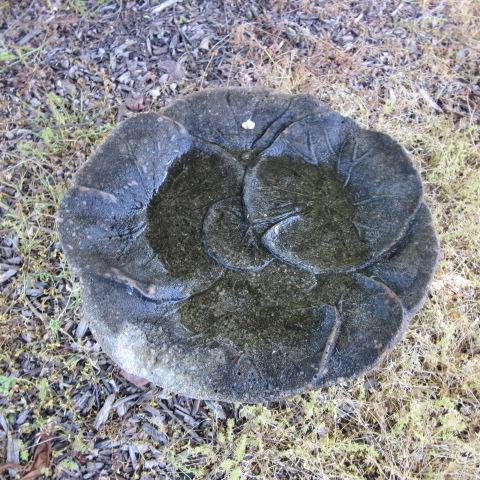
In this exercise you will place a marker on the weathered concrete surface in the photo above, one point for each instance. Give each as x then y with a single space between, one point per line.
246 245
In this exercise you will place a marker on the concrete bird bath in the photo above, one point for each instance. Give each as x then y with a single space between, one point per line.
247 245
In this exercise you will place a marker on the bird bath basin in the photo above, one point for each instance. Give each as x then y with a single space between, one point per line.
247 245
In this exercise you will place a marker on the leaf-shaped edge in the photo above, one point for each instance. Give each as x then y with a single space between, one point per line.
276 240
219 116
408 269
177 211
102 218
375 170
365 336
146 339
384 185
317 139
143 337
225 221
135 157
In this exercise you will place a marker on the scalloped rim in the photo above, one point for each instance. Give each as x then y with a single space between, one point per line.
100 332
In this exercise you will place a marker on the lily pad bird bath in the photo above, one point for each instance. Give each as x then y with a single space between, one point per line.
246 245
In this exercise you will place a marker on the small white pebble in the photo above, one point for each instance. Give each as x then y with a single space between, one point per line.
248 124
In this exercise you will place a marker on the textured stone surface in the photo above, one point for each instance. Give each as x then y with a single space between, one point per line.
248 245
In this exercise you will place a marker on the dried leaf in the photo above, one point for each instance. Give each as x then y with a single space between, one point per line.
137 381
135 103
174 69
81 459
41 458
205 44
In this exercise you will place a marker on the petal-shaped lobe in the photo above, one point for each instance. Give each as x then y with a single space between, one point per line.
219 116
408 269
176 213
384 185
371 319
230 240
305 214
